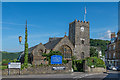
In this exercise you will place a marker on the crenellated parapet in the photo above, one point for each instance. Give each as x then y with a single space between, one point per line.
78 21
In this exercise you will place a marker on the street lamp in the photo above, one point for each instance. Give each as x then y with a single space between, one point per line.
20 39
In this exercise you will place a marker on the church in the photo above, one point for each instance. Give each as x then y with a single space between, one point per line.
75 44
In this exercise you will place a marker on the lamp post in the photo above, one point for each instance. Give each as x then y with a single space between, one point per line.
26 45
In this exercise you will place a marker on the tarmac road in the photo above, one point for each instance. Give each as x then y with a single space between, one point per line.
111 75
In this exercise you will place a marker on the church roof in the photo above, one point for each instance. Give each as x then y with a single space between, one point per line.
52 44
49 45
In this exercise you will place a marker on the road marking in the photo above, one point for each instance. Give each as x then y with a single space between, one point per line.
81 76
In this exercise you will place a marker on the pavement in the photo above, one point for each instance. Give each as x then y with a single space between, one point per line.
111 75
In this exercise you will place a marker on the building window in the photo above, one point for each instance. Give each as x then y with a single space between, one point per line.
110 48
119 38
114 55
82 55
109 55
82 41
114 47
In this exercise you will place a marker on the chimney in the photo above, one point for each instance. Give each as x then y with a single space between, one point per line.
112 35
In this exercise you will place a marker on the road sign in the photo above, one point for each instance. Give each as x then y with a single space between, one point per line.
56 59
58 68
14 65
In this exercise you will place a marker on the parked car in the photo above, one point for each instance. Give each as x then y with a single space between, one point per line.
114 68
110 67
118 68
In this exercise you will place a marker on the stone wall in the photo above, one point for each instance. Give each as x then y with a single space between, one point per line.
96 70
40 70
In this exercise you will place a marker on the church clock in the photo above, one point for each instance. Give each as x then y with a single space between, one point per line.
82 28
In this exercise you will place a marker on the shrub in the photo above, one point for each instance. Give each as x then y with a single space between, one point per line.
64 61
73 58
77 65
25 65
97 62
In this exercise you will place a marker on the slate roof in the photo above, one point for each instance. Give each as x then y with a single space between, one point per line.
48 45
52 44
30 49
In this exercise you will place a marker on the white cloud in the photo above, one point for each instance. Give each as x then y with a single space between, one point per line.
108 34
105 35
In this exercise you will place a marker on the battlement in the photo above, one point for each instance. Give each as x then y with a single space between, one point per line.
75 21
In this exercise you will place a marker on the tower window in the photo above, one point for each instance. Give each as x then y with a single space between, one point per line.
83 42
82 55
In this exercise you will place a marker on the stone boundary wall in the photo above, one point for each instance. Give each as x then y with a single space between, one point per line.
40 70
96 70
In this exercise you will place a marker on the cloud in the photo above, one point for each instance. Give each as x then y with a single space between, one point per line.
108 34
105 35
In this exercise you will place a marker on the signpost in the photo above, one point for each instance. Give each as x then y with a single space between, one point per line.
14 65
57 59
58 68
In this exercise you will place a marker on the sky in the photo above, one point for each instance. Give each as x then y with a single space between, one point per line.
51 19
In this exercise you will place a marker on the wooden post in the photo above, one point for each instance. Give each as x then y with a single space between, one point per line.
19 71
8 71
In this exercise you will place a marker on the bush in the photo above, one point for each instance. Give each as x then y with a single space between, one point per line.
25 65
101 66
73 58
64 61
77 65
97 62
15 60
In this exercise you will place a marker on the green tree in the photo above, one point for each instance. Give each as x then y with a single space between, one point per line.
26 47
99 43
93 52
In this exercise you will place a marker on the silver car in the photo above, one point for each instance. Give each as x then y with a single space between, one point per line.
114 68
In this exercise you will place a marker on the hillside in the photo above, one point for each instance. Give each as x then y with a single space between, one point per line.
99 43
9 55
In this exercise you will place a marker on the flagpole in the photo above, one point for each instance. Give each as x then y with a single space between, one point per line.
85 14
84 17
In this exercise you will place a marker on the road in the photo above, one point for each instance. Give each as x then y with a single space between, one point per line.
113 75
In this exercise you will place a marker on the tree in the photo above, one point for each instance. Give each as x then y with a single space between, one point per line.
26 47
99 43
93 52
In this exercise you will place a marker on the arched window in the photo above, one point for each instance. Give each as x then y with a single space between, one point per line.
66 51
82 55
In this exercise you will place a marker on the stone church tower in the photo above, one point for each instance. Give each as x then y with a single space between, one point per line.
79 36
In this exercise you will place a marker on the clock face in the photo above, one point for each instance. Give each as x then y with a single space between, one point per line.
82 28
